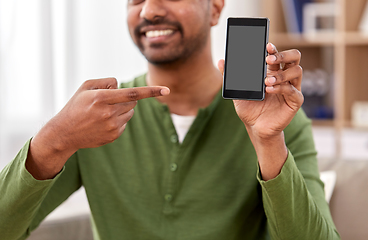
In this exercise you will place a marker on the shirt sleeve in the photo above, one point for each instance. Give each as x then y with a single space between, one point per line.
294 201
25 201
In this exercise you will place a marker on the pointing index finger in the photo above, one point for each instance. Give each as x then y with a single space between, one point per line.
133 94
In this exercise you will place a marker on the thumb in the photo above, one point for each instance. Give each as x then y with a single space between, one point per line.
221 65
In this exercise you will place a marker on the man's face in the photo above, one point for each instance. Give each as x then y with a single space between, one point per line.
166 31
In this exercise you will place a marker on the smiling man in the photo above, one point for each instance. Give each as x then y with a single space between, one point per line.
188 165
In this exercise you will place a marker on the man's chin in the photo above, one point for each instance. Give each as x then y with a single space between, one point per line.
162 60
160 56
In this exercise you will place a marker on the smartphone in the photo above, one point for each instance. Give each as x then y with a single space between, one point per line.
245 58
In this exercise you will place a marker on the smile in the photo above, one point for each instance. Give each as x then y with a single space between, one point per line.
158 33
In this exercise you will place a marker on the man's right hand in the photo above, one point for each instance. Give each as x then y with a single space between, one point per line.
97 114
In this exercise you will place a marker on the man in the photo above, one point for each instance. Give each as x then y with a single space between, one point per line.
247 172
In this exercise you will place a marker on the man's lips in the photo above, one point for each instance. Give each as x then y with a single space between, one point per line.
160 32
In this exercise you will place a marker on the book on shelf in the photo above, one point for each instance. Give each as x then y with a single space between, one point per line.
293 10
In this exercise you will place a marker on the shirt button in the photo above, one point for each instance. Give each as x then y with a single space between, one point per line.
174 138
168 197
173 167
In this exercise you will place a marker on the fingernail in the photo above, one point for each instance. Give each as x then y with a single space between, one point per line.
273 47
165 91
271 80
272 58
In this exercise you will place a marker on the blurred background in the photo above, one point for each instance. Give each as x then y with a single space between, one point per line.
48 48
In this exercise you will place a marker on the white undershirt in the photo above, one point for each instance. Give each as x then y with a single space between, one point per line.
182 125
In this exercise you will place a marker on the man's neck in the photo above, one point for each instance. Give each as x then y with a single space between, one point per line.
193 84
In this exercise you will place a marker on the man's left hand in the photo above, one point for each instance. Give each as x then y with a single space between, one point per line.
283 98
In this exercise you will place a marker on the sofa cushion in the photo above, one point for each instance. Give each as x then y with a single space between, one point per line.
349 200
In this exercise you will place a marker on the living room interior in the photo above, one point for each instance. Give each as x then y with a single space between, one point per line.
49 48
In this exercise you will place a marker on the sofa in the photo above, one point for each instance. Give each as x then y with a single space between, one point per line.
349 201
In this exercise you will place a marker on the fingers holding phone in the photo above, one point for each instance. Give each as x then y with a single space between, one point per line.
284 75
254 70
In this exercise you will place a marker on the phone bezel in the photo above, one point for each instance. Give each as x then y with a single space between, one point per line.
242 94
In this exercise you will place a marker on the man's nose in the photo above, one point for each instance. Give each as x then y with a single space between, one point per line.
153 9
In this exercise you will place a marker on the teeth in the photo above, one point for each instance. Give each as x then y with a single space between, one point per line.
158 33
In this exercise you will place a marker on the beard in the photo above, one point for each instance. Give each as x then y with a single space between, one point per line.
161 54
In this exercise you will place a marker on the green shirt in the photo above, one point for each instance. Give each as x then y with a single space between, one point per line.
147 185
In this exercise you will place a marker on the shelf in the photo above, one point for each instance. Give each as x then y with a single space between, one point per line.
301 40
318 40
351 126
323 122
356 38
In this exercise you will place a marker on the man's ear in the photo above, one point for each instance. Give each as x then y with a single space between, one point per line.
217 6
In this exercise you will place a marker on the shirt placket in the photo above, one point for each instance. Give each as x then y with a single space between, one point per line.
172 167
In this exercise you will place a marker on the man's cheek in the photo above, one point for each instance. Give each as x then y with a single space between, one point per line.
132 21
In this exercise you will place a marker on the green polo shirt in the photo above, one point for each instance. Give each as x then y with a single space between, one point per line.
147 185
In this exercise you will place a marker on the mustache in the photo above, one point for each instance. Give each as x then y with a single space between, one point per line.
158 21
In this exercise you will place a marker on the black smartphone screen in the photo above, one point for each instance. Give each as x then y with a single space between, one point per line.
245 58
